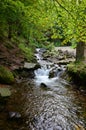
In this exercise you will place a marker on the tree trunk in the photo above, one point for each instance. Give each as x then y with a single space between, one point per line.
9 31
85 53
80 52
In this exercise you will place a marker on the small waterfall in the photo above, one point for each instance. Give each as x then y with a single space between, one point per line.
42 74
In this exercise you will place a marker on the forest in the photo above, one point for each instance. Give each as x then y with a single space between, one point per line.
33 67
42 22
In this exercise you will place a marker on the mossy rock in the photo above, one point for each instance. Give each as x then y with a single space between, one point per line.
77 72
5 92
6 75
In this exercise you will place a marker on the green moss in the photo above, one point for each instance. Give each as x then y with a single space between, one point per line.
77 72
6 76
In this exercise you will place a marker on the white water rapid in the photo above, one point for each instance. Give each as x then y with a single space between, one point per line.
42 74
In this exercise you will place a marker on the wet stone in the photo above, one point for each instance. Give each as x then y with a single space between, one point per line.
29 65
14 115
52 74
43 85
5 92
60 69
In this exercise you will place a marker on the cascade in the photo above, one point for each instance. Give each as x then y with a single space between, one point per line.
42 74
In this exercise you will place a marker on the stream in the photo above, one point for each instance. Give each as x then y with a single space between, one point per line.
45 103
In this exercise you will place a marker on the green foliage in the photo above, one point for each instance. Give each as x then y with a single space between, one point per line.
72 19
27 51
28 19
50 46
58 43
6 76
41 20
73 41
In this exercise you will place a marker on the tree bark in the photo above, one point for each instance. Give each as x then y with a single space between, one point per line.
80 51
9 31
85 53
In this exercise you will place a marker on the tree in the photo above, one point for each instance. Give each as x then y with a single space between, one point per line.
35 20
27 20
72 19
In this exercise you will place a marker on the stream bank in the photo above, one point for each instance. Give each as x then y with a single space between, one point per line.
77 72
56 106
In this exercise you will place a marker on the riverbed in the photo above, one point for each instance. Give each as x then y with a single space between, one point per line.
57 105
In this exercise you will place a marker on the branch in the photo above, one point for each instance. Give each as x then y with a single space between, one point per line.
64 8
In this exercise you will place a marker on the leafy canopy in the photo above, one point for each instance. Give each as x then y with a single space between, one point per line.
40 20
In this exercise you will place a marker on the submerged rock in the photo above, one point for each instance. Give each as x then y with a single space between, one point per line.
14 115
43 85
52 73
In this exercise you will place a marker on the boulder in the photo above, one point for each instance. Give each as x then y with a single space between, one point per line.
43 85
52 73
5 92
42 50
65 62
31 65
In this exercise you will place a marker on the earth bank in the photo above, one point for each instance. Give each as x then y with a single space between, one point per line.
77 71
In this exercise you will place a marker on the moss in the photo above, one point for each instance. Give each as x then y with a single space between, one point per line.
6 75
77 72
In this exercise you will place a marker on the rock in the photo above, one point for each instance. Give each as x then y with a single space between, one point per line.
43 85
31 65
5 92
60 57
67 48
6 75
60 51
14 115
66 61
28 70
42 50
52 73
60 69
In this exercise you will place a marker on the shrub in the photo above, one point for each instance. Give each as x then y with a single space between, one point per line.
6 75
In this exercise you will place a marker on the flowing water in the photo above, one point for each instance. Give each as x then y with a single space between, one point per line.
45 103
